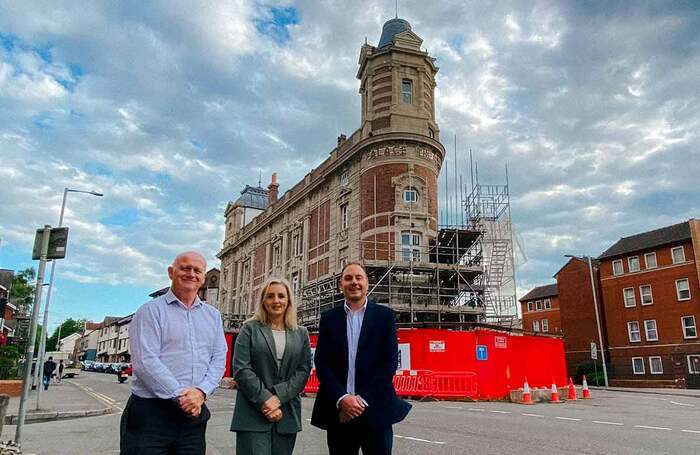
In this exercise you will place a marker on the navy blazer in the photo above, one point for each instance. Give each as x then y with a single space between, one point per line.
375 366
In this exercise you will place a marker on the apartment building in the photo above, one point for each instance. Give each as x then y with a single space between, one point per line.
540 310
651 293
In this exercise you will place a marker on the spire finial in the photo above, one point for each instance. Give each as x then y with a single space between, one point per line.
260 178
397 9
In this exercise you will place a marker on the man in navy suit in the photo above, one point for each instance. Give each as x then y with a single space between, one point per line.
356 358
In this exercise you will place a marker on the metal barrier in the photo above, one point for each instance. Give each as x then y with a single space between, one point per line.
424 383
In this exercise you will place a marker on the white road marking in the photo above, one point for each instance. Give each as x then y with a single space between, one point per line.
568 418
452 407
476 409
682 404
531 415
691 431
653 428
501 412
602 422
418 439
308 420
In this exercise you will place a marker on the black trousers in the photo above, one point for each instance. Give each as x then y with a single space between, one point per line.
152 426
349 438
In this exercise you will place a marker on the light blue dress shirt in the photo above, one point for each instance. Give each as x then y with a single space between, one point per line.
353 321
173 347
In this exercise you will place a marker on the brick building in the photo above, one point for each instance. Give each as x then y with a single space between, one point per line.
374 199
540 310
651 294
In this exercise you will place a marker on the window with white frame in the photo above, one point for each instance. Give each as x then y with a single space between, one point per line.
650 260
633 263
530 306
633 331
650 330
547 304
344 178
410 246
638 365
689 328
617 267
677 255
655 365
545 325
683 289
645 294
538 305
407 91
344 216
628 294
277 254
694 364
297 244
410 195
535 326
295 283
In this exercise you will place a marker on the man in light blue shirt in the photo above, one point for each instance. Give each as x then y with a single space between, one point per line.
178 353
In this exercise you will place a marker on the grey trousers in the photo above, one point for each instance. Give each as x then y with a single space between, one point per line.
264 443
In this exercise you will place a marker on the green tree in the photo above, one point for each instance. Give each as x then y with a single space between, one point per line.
68 327
8 362
22 291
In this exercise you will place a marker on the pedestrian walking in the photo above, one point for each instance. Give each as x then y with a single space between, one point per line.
178 353
49 368
60 371
356 359
271 364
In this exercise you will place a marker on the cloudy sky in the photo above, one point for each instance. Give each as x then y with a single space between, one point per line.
169 108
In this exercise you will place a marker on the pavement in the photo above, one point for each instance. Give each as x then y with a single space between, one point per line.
688 393
65 400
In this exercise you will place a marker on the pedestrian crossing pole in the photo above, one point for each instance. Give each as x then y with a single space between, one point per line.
29 352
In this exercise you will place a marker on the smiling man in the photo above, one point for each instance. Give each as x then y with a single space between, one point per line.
356 358
179 355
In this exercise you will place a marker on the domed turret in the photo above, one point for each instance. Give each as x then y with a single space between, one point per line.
392 28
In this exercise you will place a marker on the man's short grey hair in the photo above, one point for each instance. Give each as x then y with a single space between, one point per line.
187 253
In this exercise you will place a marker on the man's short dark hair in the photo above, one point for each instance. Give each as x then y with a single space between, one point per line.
50 357
357 263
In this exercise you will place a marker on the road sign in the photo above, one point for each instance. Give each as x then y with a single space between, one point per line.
481 352
58 238
594 351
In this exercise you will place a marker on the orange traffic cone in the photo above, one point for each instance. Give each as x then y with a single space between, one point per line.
586 392
527 397
555 394
572 390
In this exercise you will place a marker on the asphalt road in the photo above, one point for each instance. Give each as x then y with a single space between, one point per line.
611 423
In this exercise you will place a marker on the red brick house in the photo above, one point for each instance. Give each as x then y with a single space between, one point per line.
651 294
577 312
540 310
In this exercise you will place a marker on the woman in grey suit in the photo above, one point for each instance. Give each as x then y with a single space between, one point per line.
271 364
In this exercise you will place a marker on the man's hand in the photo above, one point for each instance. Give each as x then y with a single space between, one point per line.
191 400
352 406
274 416
344 418
271 405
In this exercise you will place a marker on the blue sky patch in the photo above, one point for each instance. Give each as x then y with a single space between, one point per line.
275 23
97 169
124 217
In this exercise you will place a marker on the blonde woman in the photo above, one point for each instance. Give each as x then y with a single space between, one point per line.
271 364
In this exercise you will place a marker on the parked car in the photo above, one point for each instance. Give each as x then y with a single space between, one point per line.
99 367
86 365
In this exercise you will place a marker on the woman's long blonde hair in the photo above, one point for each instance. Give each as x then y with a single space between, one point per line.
290 314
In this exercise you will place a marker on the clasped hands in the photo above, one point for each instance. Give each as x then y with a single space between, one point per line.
351 406
271 409
191 400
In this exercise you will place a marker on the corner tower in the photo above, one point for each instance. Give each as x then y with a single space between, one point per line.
401 155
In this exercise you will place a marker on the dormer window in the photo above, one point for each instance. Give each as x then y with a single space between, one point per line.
407 91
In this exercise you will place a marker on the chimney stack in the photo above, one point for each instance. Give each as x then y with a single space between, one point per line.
273 189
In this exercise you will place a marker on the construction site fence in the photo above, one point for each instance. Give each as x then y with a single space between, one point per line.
424 384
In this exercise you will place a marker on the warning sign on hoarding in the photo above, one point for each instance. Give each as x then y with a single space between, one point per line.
437 345
404 356
500 342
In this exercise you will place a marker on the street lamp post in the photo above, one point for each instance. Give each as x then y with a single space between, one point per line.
44 332
597 317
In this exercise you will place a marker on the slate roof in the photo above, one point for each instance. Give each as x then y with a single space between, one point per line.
254 197
647 240
392 28
549 290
